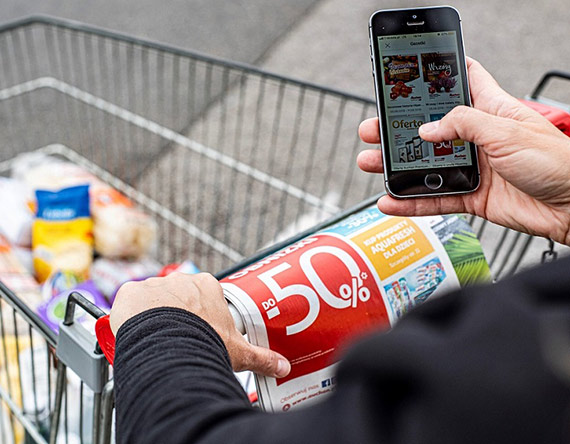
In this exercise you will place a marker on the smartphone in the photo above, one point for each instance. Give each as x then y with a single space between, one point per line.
420 74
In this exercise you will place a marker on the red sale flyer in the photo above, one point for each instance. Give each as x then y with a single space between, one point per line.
319 297
314 298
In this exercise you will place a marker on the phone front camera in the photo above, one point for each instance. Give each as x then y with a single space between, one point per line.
414 16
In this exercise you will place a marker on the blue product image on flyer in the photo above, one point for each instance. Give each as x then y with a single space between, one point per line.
415 286
356 222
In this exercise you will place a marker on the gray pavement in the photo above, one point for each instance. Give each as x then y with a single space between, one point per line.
237 30
325 41
515 40
267 125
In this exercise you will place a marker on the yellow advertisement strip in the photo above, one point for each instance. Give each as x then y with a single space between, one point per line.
393 245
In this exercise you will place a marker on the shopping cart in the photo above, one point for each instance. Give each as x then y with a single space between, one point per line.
232 162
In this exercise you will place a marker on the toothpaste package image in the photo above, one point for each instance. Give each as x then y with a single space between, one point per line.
414 287
312 299
62 233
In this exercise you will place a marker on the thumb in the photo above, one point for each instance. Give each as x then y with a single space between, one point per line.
466 123
263 361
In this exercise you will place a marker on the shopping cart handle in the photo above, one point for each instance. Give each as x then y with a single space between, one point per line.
106 338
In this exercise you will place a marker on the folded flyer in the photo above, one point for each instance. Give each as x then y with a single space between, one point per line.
315 297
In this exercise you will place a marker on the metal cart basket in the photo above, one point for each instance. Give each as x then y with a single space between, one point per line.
228 159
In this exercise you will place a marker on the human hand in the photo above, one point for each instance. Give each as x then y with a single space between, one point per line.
524 162
202 295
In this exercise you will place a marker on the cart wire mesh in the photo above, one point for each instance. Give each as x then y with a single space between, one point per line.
229 159
235 154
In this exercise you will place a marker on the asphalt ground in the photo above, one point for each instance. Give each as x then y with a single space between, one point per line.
324 42
330 47
517 41
241 30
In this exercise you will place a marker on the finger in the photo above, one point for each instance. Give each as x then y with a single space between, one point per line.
421 207
487 94
115 321
369 131
262 361
481 82
466 123
370 161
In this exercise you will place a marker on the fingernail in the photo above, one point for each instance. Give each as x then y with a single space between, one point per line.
283 368
430 126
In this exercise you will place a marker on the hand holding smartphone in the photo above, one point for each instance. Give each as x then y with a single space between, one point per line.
420 74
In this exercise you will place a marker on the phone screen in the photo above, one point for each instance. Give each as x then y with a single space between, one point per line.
421 82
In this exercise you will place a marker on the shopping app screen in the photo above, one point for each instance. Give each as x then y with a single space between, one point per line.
421 82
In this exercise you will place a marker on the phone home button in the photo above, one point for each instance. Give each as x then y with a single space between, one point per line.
433 181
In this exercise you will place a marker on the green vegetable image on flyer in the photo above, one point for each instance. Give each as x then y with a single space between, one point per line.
463 248
467 257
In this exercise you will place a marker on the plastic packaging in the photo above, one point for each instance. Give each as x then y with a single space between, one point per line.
62 234
15 276
52 312
120 229
109 274
187 267
17 216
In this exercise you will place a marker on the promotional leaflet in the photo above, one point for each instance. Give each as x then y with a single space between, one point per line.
421 83
315 297
411 149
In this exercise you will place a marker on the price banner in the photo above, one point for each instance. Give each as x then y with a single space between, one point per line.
313 300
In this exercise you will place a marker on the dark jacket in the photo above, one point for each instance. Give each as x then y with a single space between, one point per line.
485 364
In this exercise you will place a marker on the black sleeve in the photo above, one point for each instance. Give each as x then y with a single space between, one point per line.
475 366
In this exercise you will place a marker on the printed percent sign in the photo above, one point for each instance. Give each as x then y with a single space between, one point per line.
357 291
349 294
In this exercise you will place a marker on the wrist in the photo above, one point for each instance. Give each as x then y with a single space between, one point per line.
553 171
163 322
